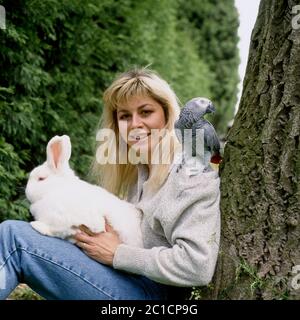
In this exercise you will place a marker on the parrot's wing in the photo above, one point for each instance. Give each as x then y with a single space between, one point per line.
184 122
211 139
186 119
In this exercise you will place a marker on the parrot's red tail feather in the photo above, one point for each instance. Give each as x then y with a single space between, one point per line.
216 159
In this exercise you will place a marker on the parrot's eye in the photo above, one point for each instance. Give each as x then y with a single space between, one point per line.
41 178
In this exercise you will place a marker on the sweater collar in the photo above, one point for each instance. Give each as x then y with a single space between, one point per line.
143 174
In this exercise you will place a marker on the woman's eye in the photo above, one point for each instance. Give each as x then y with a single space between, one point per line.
146 112
125 116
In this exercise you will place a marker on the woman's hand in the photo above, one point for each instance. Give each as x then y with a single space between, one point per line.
99 246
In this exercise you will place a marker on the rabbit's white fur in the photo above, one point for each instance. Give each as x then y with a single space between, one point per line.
61 202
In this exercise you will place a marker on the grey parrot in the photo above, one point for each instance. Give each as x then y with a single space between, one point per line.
192 117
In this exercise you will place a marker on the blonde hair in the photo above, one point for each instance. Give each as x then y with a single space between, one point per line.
119 178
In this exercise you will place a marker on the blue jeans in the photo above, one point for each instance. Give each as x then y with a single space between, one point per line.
57 269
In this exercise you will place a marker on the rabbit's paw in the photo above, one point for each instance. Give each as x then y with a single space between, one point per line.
99 227
41 228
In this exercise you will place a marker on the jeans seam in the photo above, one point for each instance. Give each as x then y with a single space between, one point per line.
6 259
65 268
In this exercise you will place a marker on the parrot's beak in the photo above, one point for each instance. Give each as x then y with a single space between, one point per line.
211 108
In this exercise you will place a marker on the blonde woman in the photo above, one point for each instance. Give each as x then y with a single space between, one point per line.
180 220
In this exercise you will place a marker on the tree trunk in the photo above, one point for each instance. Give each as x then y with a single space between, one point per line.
260 200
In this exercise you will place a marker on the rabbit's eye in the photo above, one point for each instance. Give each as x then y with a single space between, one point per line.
41 178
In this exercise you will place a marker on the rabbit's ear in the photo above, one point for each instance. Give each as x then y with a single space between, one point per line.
58 152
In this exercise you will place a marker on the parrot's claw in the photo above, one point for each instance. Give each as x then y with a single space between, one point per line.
178 168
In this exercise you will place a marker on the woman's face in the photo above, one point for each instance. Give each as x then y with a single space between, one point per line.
137 118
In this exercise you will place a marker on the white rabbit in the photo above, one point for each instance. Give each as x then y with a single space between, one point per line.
60 201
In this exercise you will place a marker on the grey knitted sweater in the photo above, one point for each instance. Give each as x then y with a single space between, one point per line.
180 227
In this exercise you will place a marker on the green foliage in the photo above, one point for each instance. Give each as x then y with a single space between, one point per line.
213 25
23 292
244 268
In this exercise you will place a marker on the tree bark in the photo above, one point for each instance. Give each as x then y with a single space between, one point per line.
260 200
